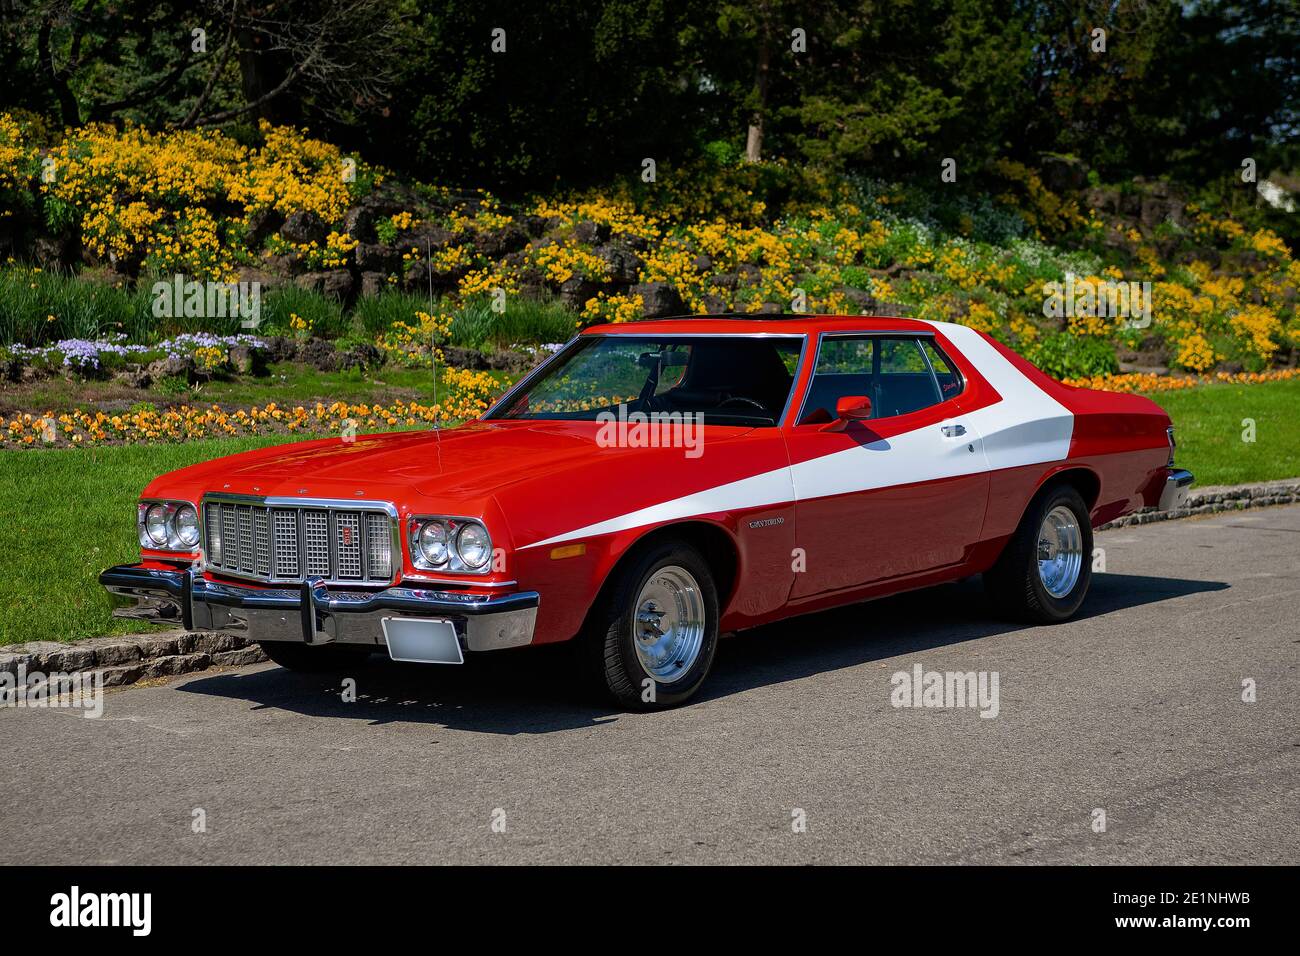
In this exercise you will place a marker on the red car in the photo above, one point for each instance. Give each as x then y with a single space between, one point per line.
655 484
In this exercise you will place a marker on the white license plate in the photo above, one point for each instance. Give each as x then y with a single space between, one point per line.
422 640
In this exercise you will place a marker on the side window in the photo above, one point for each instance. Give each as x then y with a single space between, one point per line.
843 368
944 370
905 383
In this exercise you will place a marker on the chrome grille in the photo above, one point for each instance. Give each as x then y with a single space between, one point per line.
343 542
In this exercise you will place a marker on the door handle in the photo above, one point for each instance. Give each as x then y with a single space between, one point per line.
952 431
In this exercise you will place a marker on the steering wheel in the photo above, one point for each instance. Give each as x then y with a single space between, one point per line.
741 399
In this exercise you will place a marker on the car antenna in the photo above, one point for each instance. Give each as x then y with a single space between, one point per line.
433 335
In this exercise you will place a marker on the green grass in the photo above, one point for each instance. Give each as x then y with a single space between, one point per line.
1208 425
524 321
70 513
81 308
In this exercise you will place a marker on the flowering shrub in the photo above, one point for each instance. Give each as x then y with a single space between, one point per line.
210 352
467 397
153 198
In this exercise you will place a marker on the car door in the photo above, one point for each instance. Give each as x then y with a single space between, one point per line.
896 495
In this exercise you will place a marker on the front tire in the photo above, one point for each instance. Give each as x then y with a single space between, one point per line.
1044 572
310 658
650 643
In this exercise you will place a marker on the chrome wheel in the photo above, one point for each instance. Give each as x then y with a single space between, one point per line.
1060 551
668 631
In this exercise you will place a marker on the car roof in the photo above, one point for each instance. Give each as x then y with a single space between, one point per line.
761 324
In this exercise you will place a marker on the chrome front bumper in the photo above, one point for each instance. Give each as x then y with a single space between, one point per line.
313 614
1177 487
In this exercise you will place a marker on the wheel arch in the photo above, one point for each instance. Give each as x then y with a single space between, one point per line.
712 540
1084 480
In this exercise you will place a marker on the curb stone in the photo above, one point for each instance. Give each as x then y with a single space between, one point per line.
133 657
1216 498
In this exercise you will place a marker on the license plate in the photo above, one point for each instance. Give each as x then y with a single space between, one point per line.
422 641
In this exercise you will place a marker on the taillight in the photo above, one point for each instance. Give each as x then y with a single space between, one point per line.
1169 433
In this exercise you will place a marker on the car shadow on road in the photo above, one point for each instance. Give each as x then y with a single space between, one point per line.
533 691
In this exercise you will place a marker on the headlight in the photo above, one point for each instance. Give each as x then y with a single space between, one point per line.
432 542
155 524
187 525
473 546
450 544
168 525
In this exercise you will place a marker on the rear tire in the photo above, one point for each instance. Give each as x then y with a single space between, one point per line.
311 658
1044 572
650 642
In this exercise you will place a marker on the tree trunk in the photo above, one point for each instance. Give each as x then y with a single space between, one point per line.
754 141
262 73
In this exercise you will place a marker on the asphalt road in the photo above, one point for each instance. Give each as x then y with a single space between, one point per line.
1135 709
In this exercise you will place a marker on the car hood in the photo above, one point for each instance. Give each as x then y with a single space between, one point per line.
470 461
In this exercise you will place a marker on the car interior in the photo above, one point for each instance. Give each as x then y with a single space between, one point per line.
746 377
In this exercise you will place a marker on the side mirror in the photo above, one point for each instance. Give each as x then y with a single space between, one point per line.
853 408
849 408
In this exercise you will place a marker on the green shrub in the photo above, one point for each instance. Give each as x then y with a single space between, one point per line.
1063 356
80 309
375 315
475 325
323 315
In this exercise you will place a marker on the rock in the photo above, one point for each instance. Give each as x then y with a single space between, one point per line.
11 662
360 356
121 675
175 664
624 265
173 366
238 658
319 354
339 284
533 225
375 257
590 232
11 369
702 263
372 284
280 348
68 660
261 225
286 264
771 308
501 241
248 360
576 290
359 223
458 357
336 283
134 375
157 645
659 299
209 642
117 653
507 360
748 274
724 280
1062 174
303 227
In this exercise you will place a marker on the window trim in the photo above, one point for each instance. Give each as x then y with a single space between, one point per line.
917 334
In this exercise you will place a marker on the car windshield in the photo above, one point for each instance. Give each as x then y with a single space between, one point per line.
728 380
